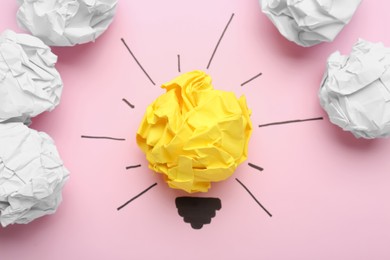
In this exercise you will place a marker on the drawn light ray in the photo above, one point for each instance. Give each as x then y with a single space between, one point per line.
136 60
178 63
128 103
133 166
256 167
253 196
249 80
219 41
137 196
292 121
103 137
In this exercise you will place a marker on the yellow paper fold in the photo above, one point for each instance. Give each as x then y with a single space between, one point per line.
194 134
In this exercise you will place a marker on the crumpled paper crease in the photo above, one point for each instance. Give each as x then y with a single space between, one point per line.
66 22
309 22
29 82
31 174
355 91
194 134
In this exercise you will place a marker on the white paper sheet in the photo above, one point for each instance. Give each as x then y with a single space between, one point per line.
309 22
31 174
66 22
29 82
355 91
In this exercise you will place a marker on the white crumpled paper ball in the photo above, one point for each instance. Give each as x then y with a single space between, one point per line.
355 91
29 82
309 22
66 22
31 174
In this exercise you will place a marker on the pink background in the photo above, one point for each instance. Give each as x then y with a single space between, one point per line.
328 192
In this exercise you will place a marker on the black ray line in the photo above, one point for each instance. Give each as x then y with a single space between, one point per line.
256 167
250 193
249 80
139 64
219 41
127 102
178 63
103 137
135 197
292 121
133 166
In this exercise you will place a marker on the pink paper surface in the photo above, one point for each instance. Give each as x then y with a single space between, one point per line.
327 191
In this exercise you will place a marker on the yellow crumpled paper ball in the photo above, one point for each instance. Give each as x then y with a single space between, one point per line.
194 134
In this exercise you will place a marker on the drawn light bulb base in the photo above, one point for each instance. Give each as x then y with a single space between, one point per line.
197 211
